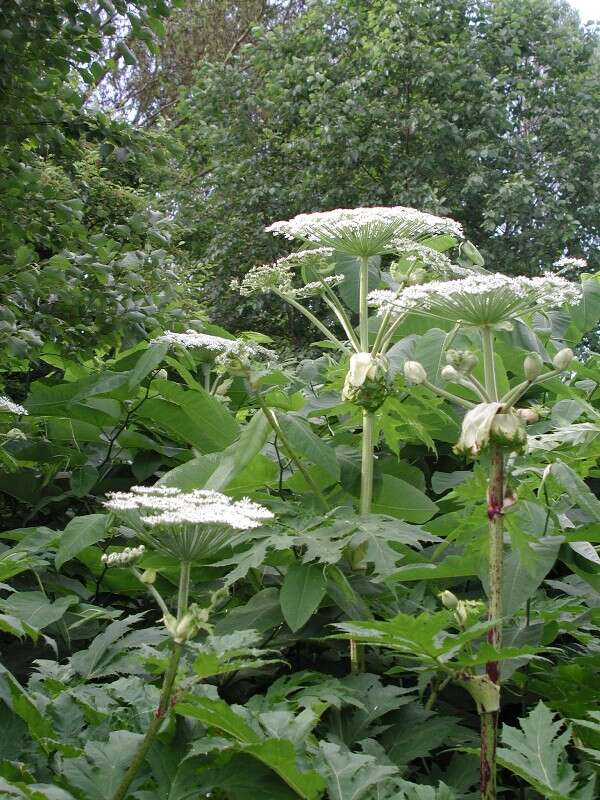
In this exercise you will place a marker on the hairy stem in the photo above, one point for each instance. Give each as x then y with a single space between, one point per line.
366 475
489 720
164 702
487 760
489 369
367 450
363 308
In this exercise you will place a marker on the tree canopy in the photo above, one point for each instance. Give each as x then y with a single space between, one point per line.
486 111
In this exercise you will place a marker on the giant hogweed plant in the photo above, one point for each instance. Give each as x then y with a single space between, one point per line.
316 734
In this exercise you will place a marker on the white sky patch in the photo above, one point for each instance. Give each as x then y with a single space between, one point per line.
588 9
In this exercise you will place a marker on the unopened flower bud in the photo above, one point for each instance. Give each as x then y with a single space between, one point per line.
148 576
463 361
364 370
508 430
532 366
15 435
528 415
416 277
124 558
563 358
461 613
162 375
450 374
448 599
415 372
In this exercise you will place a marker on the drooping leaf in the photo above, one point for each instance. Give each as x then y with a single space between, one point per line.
80 533
302 590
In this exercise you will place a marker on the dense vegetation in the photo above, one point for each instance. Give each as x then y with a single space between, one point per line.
407 606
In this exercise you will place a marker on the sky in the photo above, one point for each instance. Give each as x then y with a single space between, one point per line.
588 9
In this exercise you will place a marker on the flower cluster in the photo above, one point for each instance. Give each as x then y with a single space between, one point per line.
229 351
8 406
570 265
240 356
313 255
364 231
125 558
193 339
188 525
275 277
318 287
420 255
480 299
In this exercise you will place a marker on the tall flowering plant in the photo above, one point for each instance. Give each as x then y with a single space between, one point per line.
193 528
493 423
359 234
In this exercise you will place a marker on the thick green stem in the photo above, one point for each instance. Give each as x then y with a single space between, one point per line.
367 450
489 369
487 759
164 702
273 422
366 476
489 720
363 307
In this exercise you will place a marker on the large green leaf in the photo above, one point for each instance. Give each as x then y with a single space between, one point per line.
302 590
98 773
148 360
80 533
36 609
306 443
537 754
239 455
577 489
351 775
278 754
192 415
400 499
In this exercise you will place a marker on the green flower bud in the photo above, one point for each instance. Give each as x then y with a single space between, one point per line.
448 599
162 375
148 576
533 366
366 382
450 374
485 692
415 372
563 358
416 277
528 415
462 360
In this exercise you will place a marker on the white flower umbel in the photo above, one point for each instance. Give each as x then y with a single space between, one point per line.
481 299
420 255
314 255
315 288
193 339
8 406
278 277
265 278
570 265
224 349
364 232
190 526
